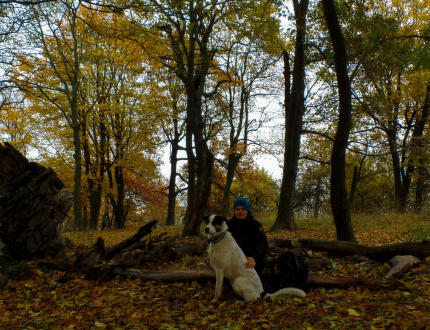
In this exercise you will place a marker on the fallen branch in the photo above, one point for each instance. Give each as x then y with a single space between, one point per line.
143 231
98 253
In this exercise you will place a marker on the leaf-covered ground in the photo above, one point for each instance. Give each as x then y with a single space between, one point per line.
43 303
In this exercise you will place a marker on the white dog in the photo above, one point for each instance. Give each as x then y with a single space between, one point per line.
228 260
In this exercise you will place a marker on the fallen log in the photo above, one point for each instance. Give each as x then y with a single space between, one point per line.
208 274
332 282
169 248
383 253
282 243
170 276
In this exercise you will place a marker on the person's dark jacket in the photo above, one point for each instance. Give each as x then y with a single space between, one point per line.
249 235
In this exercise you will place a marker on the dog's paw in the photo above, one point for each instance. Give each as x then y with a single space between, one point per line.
214 300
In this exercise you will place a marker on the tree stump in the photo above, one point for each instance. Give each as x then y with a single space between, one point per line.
31 207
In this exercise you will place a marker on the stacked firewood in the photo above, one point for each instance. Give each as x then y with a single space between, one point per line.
31 207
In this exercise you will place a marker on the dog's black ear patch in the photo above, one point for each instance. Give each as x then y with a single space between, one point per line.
218 220
206 219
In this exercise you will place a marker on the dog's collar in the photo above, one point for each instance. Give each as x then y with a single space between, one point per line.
218 238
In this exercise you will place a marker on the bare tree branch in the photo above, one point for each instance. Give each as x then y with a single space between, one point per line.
25 3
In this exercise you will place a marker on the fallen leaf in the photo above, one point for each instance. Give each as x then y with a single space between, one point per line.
353 312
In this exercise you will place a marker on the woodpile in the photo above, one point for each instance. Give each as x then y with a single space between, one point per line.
31 207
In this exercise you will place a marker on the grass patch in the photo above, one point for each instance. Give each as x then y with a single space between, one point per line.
368 228
377 220
417 231
323 223
413 226
267 219
401 222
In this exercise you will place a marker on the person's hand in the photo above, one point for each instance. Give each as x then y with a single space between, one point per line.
250 262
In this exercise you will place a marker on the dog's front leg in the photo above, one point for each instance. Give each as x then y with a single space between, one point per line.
219 273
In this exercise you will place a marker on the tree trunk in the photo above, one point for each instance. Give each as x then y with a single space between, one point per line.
192 166
64 53
88 174
318 197
84 215
418 151
192 59
170 220
339 199
200 165
106 220
421 188
233 161
294 108
93 181
395 161
76 123
114 201
119 209
403 168
356 177
406 185
110 195
236 131
174 144
95 199
204 184
202 189
77 208
285 215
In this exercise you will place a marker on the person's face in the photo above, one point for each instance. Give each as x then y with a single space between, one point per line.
240 212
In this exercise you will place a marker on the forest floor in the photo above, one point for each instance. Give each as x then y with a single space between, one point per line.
42 302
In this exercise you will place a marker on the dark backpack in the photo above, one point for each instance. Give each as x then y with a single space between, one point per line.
293 272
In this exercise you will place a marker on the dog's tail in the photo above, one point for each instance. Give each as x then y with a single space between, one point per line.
286 291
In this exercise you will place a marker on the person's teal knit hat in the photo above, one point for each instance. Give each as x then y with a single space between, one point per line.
241 201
